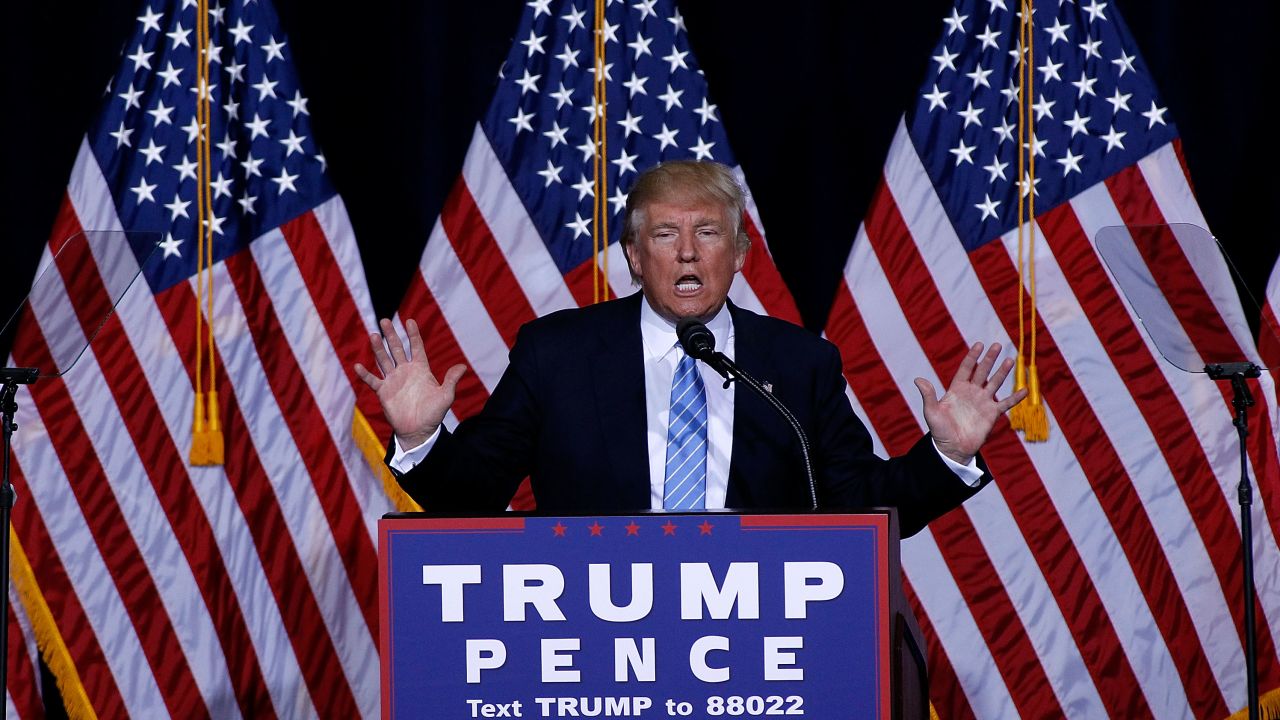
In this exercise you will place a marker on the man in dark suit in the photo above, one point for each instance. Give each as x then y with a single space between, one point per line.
602 410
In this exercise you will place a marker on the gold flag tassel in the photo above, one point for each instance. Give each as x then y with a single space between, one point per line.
1017 418
213 432
206 429
1035 422
1028 416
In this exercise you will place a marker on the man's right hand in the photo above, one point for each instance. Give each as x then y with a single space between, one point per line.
413 402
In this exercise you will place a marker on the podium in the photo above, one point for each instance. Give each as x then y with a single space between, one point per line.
653 615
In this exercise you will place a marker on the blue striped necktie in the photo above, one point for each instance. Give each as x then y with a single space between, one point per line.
686 483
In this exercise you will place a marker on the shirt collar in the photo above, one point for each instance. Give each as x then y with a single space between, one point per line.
659 335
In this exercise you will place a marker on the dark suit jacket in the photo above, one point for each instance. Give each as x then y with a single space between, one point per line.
570 413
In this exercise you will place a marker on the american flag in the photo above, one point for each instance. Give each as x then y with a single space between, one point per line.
1100 575
514 239
23 697
1269 326
241 590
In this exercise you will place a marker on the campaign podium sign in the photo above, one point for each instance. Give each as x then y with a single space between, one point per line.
659 615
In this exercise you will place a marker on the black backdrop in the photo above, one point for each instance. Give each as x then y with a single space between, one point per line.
810 93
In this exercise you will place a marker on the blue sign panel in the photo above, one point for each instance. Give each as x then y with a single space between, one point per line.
651 616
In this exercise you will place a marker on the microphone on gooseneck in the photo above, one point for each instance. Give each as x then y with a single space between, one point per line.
700 344
697 340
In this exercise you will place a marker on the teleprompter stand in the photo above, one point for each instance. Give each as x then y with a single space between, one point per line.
1199 327
81 282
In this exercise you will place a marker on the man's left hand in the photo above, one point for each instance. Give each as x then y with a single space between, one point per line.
962 419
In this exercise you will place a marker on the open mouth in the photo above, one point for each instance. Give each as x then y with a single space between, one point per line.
688 284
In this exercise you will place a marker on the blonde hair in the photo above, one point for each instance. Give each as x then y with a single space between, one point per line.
687 180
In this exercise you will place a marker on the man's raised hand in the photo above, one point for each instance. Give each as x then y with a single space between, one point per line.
413 401
962 419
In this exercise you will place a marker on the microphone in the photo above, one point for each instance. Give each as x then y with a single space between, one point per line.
700 344
696 339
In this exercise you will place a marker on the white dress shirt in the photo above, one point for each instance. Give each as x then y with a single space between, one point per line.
661 355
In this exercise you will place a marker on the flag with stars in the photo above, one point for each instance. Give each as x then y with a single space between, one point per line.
241 590
514 239
1100 575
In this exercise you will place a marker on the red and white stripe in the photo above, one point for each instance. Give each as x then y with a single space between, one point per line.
1099 575
1269 329
22 694
485 271
246 590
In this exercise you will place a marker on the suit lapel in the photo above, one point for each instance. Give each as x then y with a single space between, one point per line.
617 369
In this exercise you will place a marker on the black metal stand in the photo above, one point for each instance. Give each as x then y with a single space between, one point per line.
11 379
1242 400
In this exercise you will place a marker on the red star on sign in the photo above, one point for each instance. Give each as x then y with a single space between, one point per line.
633 529
705 527
595 528
558 529
669 528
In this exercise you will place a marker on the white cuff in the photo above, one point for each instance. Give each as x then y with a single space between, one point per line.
402 461
969 474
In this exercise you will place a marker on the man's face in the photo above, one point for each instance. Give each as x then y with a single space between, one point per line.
685 257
